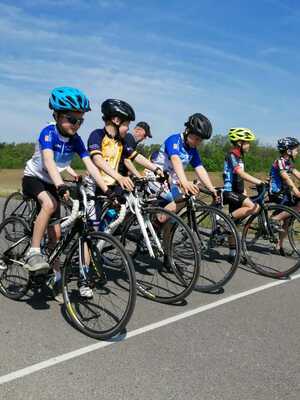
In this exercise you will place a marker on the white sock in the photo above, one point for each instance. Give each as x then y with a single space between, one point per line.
35 250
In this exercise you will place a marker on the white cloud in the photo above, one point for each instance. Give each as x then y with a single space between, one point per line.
163 91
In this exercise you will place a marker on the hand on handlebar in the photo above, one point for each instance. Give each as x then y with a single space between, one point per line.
159 172
126 183
190 188
261 187
78 178
63 192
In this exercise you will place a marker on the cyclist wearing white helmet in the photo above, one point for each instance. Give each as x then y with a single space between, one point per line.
56 147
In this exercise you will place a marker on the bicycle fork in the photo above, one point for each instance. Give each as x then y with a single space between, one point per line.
144 224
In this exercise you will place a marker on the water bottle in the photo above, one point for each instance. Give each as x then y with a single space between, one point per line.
110 215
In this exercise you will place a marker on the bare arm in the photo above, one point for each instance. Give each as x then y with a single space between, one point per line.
71 172
48 159
187 186
248 178
92 169
104 166
125 182
204 178
145 162
296 173
289 181
131 168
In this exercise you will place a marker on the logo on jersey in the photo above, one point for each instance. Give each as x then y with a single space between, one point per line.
94 147
47 138
175 146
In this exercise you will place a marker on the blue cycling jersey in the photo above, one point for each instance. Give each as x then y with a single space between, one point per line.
276 182
175 145
63 149
232 181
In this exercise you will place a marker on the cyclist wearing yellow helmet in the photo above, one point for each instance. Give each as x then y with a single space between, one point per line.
240 205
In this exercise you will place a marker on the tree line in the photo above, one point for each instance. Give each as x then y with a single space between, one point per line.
259 159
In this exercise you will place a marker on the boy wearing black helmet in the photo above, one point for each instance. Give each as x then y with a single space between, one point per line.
107 146
282 188
179 150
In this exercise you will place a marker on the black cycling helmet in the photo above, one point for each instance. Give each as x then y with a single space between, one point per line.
199 125
287 143
111 108
146 128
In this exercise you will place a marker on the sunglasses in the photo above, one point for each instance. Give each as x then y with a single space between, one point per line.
73 120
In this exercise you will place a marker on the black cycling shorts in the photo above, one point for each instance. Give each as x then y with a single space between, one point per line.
33 186
285 199
234 200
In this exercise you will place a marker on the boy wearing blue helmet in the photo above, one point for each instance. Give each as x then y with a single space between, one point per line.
56 147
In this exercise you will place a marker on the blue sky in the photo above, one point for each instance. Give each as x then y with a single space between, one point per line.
237 61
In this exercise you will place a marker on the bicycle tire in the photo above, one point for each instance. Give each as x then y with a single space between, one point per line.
217 266
292 233
14 281
108 280
269 262
16 205
165 278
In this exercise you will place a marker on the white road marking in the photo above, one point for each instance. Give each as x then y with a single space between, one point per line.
99 345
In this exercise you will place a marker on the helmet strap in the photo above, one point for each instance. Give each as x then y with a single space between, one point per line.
185 135
62 132
116 128
290 154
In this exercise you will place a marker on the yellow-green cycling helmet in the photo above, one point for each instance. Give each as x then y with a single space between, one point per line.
245 134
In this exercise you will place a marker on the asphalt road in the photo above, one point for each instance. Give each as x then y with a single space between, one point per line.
241 344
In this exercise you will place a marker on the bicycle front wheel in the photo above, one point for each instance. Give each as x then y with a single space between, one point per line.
220 246
169 274
111 277
273 249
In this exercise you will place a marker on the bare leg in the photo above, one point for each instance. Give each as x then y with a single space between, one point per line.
48 206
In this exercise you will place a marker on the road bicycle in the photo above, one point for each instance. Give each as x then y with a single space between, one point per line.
110 271
271 238
164 249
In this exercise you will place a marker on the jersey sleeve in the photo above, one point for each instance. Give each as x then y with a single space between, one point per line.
80 148
284 166
195 160
172 147
129 147
46 139
95 142
234 162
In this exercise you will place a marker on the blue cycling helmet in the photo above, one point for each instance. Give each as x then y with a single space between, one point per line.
68 99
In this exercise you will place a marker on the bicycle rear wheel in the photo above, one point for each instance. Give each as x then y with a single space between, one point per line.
217 236
14 242
261 247
18 205
171 273
112 279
